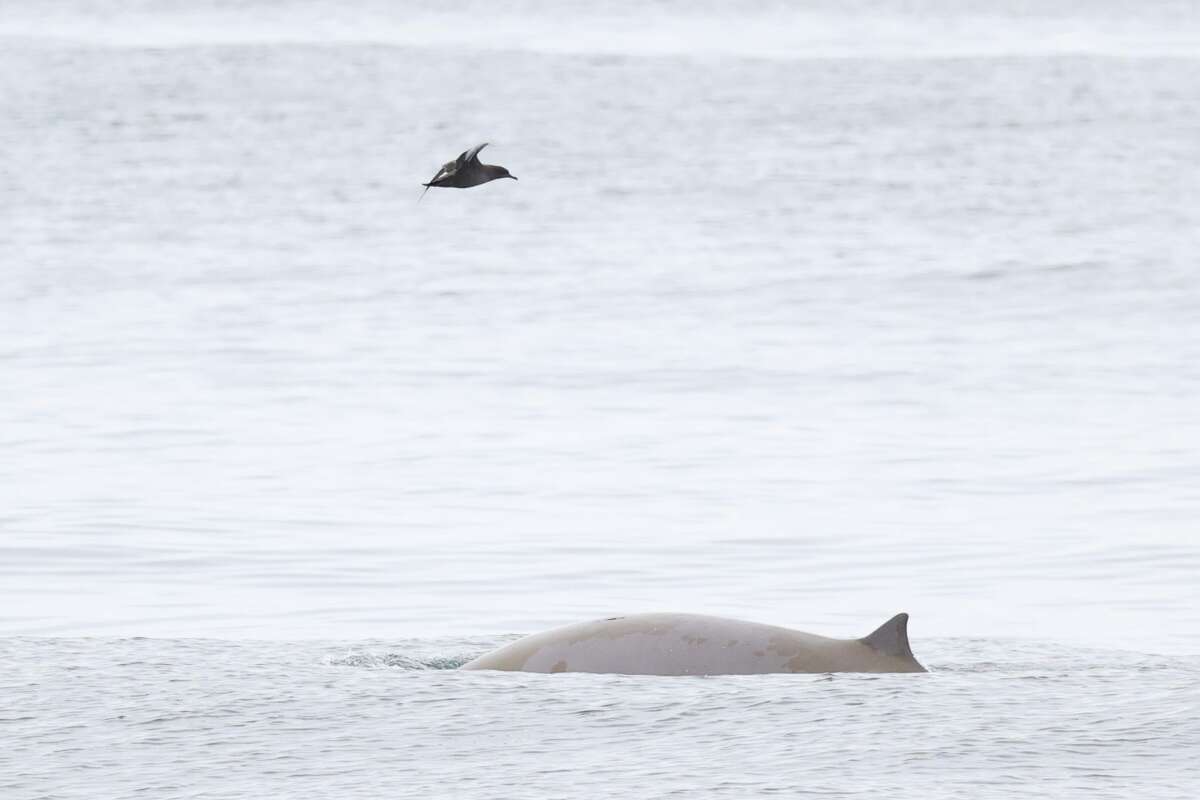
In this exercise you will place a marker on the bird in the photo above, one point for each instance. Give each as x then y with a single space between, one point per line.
466 171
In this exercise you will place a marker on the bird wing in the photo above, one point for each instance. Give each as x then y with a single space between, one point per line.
447 170
472 154
451 168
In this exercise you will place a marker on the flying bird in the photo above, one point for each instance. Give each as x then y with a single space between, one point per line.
466 171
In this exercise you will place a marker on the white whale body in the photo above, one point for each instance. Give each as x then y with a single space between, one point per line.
691 644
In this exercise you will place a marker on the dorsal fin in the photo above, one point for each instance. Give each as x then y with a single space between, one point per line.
891 638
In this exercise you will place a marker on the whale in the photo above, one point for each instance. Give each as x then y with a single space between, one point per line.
694 644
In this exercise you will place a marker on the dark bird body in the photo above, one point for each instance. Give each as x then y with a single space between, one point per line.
466 171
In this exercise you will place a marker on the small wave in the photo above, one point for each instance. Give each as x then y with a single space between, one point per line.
402 661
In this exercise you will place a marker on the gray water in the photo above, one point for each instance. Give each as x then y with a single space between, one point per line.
807 316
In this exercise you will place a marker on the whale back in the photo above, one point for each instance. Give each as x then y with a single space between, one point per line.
691 644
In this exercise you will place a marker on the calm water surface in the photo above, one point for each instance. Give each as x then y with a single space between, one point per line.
804 316
208 718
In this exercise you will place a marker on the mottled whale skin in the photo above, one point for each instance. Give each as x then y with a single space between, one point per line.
691 644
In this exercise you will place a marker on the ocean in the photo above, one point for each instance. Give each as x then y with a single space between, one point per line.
806 314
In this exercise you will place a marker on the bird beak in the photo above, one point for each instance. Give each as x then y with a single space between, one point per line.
514 177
